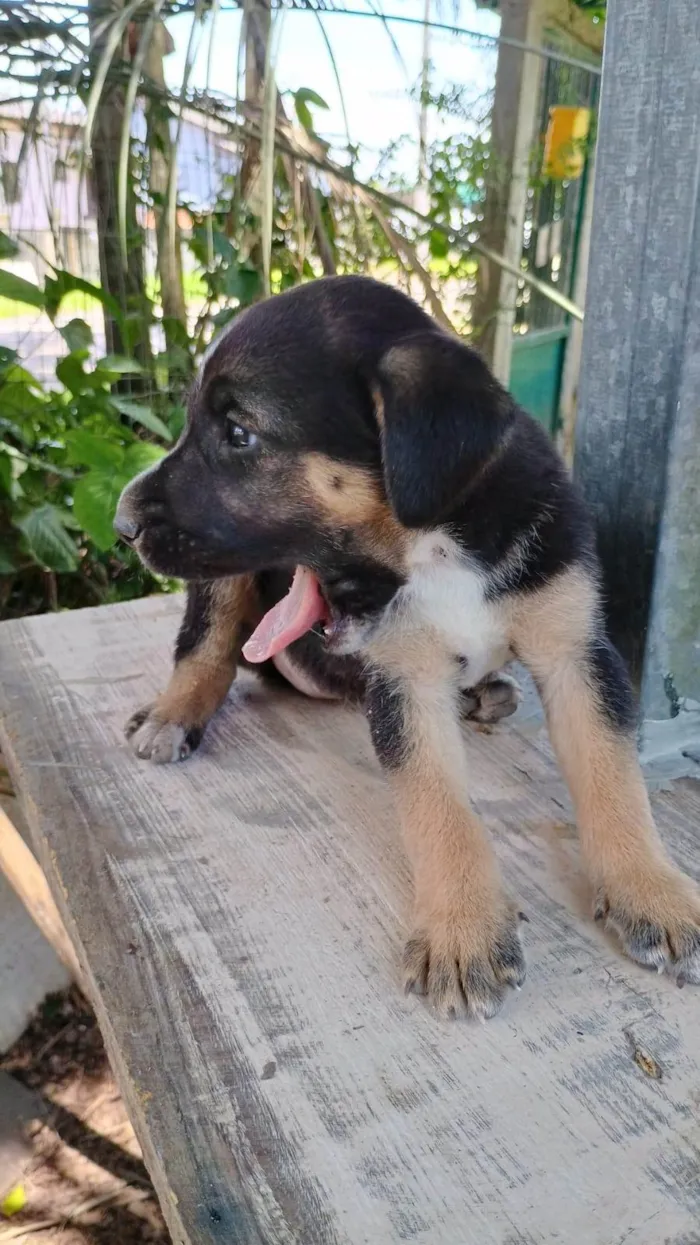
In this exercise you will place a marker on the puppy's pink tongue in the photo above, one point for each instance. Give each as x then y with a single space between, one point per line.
290 618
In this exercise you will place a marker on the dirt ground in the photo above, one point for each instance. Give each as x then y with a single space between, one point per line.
86 1183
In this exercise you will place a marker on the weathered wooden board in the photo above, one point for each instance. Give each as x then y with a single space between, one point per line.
241 918
637 453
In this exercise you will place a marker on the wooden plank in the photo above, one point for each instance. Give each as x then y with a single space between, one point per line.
672 668
641 333
240 920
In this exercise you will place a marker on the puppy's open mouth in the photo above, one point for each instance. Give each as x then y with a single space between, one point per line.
303 607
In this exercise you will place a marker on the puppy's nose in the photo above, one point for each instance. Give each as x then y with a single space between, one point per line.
127 528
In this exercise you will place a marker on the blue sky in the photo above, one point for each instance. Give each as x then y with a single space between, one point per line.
375 86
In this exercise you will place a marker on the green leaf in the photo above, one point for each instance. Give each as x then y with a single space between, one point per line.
303 97
7 358
89 449
16 374
77 335
310 97
14 429
56 288
23 463
143 415
177 420
175 359
221 246
241 282
119 364
94 505
439 244
7 565
304 115
19 290
224 316
96 494
21 395
175 332
8 247
71 372
69 521
47 539
139 456
5 474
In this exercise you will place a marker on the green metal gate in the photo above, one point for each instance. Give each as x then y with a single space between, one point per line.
550 249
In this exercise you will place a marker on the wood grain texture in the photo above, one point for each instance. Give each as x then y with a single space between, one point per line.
240 919
637 424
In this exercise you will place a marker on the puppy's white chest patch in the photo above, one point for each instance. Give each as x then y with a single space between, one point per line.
446 592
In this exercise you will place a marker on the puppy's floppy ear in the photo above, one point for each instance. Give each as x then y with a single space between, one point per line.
442 416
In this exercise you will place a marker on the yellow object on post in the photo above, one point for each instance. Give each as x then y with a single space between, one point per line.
565 142
15 1201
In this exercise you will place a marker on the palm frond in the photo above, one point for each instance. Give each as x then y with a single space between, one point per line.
171 197
408 254
379 13
125 138
267 146
336 74
115 27
32 124
213 15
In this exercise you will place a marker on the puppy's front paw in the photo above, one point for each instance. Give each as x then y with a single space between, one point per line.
656 916
496 697
154 738
465 963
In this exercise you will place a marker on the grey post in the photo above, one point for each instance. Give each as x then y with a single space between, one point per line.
637 453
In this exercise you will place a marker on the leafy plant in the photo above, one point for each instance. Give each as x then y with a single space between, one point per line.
69 447
66 451
290 208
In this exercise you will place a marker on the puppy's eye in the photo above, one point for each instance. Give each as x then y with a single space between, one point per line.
238 437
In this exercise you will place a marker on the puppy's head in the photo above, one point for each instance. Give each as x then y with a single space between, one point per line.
326 423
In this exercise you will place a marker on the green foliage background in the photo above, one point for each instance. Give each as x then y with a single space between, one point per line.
68 447
293 211
66 451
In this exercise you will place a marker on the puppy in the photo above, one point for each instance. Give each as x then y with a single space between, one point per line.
358 505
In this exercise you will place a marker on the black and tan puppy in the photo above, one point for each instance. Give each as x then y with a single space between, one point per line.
341 443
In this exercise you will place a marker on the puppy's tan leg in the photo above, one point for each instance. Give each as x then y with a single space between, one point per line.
651 905
206 656
465 949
